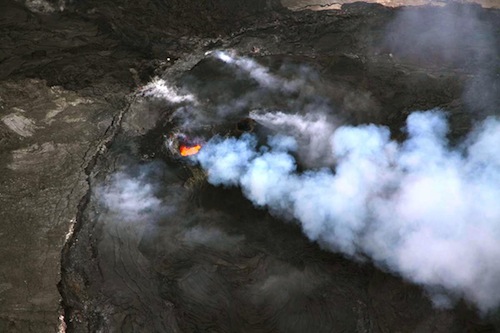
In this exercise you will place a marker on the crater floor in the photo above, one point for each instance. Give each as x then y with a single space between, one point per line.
102 230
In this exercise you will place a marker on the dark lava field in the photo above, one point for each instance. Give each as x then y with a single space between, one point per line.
343 171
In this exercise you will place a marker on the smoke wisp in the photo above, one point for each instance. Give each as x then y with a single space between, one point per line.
454 36
311 131
160 89
237 84
258 72
133 195
418 208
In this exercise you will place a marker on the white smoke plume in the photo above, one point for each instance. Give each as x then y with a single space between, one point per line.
311 131
255 87
131 195
160 89
418 208
258 72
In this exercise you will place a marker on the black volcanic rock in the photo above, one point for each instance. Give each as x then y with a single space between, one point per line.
74 132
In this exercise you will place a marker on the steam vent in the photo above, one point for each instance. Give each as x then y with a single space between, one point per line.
237 166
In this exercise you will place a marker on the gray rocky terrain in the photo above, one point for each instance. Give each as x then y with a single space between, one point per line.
102 229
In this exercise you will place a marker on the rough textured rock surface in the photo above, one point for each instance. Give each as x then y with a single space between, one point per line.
62 90
329 4
73 132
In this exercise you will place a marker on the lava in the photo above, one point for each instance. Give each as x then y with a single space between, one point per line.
189 150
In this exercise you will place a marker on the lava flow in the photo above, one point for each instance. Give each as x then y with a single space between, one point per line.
189 150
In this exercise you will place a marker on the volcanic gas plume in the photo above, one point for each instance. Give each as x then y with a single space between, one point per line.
421 208
418 208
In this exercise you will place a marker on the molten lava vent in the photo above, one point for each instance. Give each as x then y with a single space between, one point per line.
189 150
181 144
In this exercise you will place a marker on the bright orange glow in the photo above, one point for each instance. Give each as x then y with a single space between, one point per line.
188 151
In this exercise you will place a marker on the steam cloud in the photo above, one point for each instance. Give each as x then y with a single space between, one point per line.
418 208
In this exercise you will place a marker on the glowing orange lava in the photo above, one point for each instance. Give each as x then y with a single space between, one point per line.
188 151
